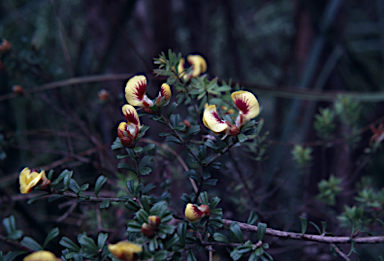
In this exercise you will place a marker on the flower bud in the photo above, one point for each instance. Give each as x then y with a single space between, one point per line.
103 95
17 89
194 213
31 178
154 221
5 46
147 230
125 250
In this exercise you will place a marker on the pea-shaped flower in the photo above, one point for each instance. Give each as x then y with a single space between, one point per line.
125 250
198 63
194 213
164 94
29 179
248 107
135 92
128 131
41 256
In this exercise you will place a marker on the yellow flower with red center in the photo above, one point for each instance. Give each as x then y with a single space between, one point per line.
248 107
135 92
41 256
194 213
164 94
198 63
125 250
29 179
128 131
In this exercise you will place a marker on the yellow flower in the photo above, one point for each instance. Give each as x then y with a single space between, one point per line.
194 213
128 131
164 94
135 92
212 120
248 105
125 250
29 179
41 256
198 63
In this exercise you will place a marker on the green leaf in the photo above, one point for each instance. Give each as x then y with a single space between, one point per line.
259 251
235 255
101 239
149 147
148 188
153 245
104 204
74 186
193 130
11 255
171 241
323 226
142 216
204 197
191 256
99 183
67 243
160 256
220 238
172 138
15 235
206 174
261 228
380 221
253 257
117 144
61 176
210 144
145 171
131 186
87 242
145 202
210 182
31 243
166 229
181 232
304 224
317 228
9 224
123 165
134 227
214 202
138 150
30 201
241 137
192 174
171 108
51 235
253 217
236 233
67 179
132 205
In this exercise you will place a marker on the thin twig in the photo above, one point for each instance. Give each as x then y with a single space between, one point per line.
344 256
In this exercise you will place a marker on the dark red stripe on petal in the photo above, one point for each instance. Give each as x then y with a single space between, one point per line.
217 118
140 88
130 117
242 105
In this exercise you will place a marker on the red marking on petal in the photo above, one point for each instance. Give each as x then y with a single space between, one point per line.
217 118
130 117
242 105
140 88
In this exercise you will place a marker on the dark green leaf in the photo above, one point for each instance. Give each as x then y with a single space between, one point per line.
235 255
31 243
30 201
132 205
74 186
236 233
259 251
67 243
87 242
173 139
304 224
171 108
101 239
220 238
323 226
253 257
123 165
181 232
9 224
138 150
193 130
148 188
261 228
210 144
11 255
15 235
99 183
160 256
149 147
381 222
67 179
210 182
142 216
206 174
63 174
131 186
171 241
153 245
217 211
253 217
166 229
317 228
242 137
204 197
145 202
214 202
104 204
192 174
191 256
117 144
51 235
145 171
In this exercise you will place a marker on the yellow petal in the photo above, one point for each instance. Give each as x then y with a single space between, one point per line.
181 67
130 115
165 91
29 179
212 121
125 250
193 213
135 92
247 103
40 256
199 64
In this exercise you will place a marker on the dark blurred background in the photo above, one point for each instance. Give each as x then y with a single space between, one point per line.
295 55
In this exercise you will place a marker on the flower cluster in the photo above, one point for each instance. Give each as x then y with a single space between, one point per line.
31 178
125 250
129 131
198 64
248 107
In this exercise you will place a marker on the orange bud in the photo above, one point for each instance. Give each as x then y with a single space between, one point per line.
154 221
187 123
103 95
